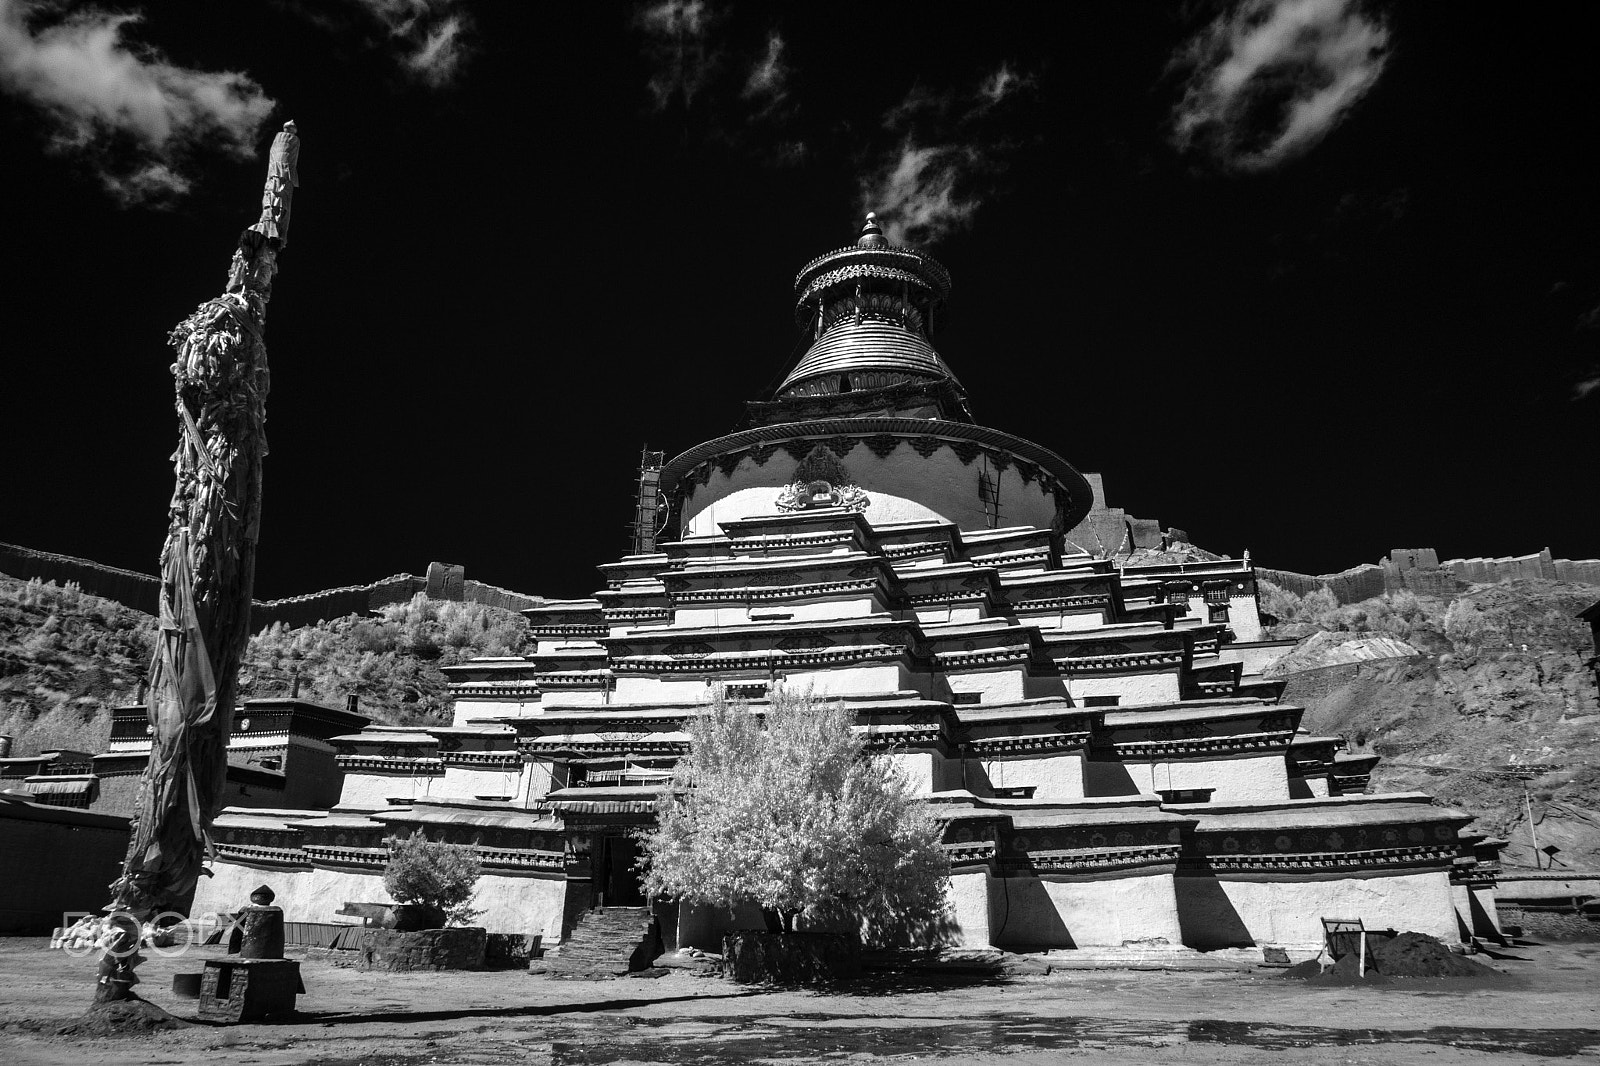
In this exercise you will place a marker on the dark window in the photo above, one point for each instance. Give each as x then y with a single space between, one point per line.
1101 701
1218 613
966 697
1185 795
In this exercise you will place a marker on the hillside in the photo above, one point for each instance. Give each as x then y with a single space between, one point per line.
1470 698
67 657
1474 699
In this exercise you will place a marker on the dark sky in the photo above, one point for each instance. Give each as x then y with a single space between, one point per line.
503 283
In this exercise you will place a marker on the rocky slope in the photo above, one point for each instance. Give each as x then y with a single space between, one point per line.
67 657
1486 700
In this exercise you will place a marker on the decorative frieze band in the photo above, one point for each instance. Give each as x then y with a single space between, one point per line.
765 593
508 761
967 660
970 853
260 854
555 747
1088 664
764 660
390 764
1248 742
1092 861
521 858
1428 854
988 747
566 630
335 855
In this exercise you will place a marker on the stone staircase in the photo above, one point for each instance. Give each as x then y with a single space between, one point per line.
607 942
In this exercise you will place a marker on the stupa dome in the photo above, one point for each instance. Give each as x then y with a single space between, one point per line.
871 308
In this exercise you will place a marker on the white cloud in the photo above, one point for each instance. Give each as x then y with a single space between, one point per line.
770 75
917 194
150 182
1002 83
428 34
96 86
950 147
1270 78
677 36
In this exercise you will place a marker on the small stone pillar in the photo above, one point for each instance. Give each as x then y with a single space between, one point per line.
261 927
256 982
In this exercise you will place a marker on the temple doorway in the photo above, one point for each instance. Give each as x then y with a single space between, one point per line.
616 874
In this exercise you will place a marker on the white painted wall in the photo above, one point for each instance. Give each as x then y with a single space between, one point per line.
963 612
1038 912
904 487
1159 687
999 685
511 904
811 610
1055 777
370 792
969 895
467 711
1241 779
1219 912
467 783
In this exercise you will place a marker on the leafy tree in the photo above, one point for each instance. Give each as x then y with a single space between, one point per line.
433 875
786 811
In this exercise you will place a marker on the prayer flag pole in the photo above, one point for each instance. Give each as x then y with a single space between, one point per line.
207 580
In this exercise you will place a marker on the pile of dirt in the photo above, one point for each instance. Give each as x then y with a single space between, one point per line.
1417 955
1405 955
128 1017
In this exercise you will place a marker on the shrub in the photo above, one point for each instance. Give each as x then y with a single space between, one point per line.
434 875
789 814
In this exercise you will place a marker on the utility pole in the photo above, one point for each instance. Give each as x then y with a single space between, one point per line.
208 567
1527 803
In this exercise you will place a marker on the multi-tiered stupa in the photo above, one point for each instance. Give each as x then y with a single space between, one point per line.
1109 763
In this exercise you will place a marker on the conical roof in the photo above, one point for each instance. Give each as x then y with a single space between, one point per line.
871 307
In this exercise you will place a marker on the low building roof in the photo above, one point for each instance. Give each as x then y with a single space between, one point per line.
1319 813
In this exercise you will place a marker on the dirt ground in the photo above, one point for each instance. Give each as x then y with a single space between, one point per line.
1546 1009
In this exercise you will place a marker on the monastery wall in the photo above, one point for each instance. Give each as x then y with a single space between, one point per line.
69 858
510 903
1050 911
1239 779
1477 911
371 792
1218 912
1054 777
969 895
1162 687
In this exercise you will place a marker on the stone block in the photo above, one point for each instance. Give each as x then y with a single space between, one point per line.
244 990
427 949
752 957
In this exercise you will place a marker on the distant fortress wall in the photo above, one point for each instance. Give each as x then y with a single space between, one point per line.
1420 571
444 581
1349 586
140 591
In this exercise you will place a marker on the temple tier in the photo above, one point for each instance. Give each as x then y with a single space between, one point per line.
1096 737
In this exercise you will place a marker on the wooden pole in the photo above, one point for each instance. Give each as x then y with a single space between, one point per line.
207 581
1527 804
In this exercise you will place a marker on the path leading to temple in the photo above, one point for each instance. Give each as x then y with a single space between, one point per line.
1549 1011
